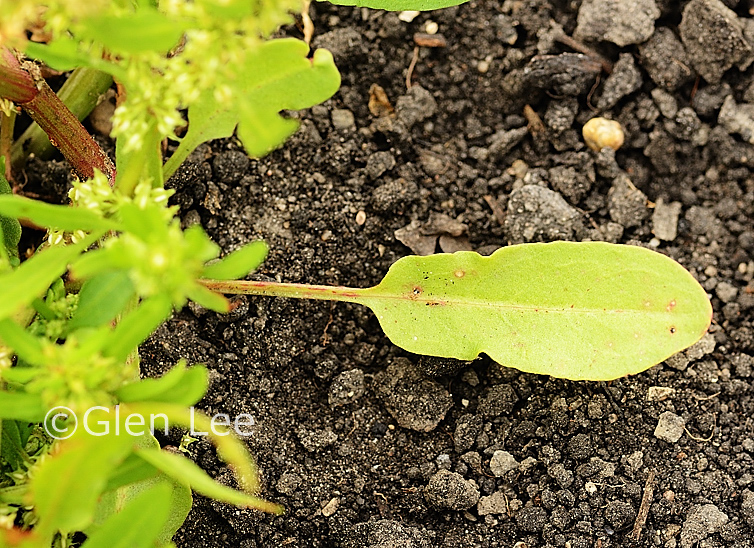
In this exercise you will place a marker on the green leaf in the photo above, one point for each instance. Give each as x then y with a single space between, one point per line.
27 346
277 76
12 448
53 216
592 310
400 5
101 299
209 299
180 385
139 523
185 471
65 487
61 54
238 264
137 325
24 284
10 229
133 33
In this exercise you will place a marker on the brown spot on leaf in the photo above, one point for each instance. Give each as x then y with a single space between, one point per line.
671 305
459 273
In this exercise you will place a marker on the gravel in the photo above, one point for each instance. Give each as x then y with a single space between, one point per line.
670 427
622 22
450 491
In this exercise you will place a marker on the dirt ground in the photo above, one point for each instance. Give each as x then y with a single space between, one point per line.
368 446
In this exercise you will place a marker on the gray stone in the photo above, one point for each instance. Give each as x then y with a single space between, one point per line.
670 427
537 214
714 38
622 22
666 102
701 521
496 503
342 119
448 490
417 105
316 440
497 400
414 400
665 220
502 462
623 80
726 292
747 506
346 388
378 163
626 204
737 118
620 514
664 58
382 533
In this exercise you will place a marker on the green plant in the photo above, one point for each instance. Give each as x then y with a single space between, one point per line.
116 264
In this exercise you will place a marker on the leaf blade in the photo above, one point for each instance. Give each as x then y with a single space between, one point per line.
580 311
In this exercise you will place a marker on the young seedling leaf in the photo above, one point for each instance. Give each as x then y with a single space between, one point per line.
400 5
180 385
238 264
101 299
139 522
183 470
278 76
581 311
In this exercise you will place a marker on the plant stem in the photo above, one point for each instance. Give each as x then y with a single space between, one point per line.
61 125
294 291
80 94
16 84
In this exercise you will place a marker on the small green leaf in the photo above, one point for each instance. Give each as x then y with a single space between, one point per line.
65 487
238 264
209 299
591 310
53 216
24 284
400 5
10 229
185 471
12 448
139 523
61 54
23 343
137 325
101 299
181 385
277 76
133 33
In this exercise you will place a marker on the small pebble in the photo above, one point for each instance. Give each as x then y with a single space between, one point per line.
670 427
600 133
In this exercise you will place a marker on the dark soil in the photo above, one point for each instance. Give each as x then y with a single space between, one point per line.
481 455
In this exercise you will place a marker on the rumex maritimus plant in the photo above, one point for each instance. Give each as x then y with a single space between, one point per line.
116 264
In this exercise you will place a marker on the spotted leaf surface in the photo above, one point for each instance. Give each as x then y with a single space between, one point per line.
582 311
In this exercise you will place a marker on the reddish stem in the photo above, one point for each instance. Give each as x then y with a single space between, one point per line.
61 125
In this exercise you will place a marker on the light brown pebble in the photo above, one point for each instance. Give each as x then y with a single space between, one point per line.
600 133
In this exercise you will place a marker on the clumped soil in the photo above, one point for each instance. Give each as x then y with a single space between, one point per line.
368 446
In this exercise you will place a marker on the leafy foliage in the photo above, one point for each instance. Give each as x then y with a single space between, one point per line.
582 311
116 263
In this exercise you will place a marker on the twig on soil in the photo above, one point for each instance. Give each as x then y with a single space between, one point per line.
646 501
497 211
607 66
411 66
